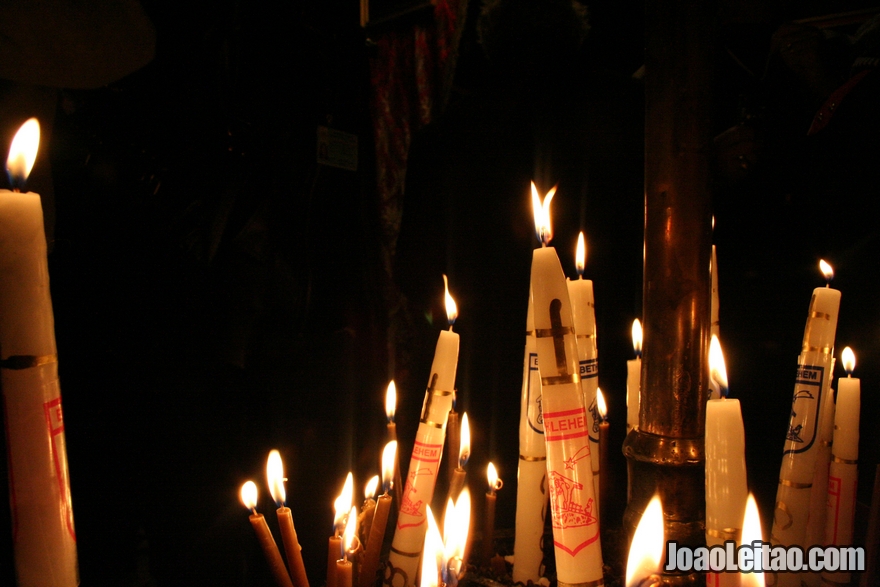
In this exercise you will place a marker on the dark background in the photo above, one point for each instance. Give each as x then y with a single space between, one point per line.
218 293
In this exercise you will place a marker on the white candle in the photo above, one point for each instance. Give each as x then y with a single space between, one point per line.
580 293
843 471
634 379
409 534
726 486
43 532
531 488
801 450
819 491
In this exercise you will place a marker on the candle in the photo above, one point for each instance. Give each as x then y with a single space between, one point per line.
580 292
751 532
819 491
843 471
292 549
801 450
43 533
464 453
409 535
334 546
453 443
349 546
489 521
726 485
248 496
531 487
365 518
390 409
456 526
604 431
370 568
646 550
569 468
634 379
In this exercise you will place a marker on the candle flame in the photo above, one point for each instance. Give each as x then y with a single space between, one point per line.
390 401
541 211
275 477
343 502
248 495
371 487
464 450
717 366
494 482
580 258
826 270
389 457
646 550
849 360
451 308
432 554
350 535
23 151
600 403
456 523
751 531
637 337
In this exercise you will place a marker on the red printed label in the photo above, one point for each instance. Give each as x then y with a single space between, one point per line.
55 425
565 425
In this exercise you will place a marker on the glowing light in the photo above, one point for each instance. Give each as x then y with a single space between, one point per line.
637 337
826 270
390 401
464 450
580 257
541 211
349 537
389 457
432 554
23 151
494 482
451 308
717 367
751 531
646 550
849 360
275 477
248 495
343 502
600 403
371 487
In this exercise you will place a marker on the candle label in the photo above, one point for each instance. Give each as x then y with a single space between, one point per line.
533 391
589 369
423 469
833 504
55 426
805 405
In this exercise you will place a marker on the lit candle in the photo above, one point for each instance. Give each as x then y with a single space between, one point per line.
334 546
843 471
365 518
800 450
456 526
634 379
390 409
453 443
489 521
643 565
580 292
349 546
604 431
464 453
264 536
726 484
569 468
751 532
819 491
531 487
409 535
369 570
43 539
292 549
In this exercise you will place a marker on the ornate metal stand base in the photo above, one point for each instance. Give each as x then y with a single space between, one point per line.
674 468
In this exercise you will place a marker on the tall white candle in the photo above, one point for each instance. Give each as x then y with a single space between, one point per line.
634 379
43 532
569 471
409 534
531 488
800 451
580 293
726 486
843 471
819 490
